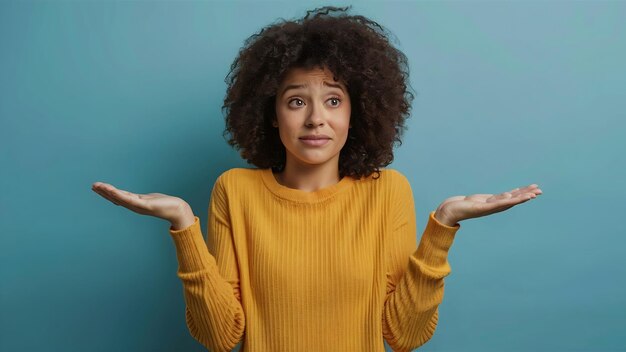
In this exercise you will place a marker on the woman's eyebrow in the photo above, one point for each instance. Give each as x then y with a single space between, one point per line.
293 86
334 85
299 86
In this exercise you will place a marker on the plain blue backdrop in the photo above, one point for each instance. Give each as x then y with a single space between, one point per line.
129 93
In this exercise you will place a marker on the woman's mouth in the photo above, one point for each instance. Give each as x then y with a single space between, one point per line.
315 142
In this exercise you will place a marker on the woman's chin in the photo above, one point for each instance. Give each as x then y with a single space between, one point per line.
315 160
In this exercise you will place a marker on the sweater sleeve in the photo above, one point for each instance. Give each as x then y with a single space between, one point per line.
415 274
210 277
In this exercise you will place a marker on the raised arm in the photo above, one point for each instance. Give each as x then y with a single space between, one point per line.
415 274
210 277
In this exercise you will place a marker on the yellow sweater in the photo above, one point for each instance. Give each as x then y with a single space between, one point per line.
337 269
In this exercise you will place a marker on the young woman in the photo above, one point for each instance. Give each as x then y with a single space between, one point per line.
315 249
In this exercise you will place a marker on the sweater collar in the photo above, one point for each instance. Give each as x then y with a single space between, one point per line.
300 196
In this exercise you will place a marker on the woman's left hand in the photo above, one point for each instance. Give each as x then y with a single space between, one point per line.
455 209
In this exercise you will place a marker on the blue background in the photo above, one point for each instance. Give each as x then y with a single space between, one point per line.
129 93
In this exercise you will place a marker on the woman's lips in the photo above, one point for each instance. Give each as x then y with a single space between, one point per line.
315 142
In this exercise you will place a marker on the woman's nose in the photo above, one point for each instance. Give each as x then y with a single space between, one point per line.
315 122
315 117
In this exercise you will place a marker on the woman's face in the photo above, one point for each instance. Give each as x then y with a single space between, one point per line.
311 102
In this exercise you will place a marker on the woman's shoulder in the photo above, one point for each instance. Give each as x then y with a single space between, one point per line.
390 172
239 176
390 180
391 175
240 172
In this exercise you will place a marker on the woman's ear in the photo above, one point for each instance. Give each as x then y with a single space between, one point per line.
274 123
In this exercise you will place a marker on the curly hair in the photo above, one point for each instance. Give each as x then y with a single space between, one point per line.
357 51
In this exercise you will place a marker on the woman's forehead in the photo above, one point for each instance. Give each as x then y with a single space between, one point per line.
302 76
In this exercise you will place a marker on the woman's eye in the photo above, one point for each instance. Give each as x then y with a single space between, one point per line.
334 101
299 102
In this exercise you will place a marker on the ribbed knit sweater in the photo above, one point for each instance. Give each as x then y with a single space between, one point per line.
337 269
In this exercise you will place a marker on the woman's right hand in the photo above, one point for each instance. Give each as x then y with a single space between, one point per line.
154 204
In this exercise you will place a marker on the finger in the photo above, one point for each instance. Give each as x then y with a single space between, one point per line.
530 188
530 195
106 195
115 195
123 197
126 201
499 205
112 196
533 188
521 193
98 189
101 186
130 195
521 198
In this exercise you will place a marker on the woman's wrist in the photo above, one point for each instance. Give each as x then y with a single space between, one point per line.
184 220
443 218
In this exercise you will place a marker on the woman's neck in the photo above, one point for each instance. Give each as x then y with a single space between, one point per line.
309 178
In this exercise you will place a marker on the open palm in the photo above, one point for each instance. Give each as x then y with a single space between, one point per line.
154 204
477 205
